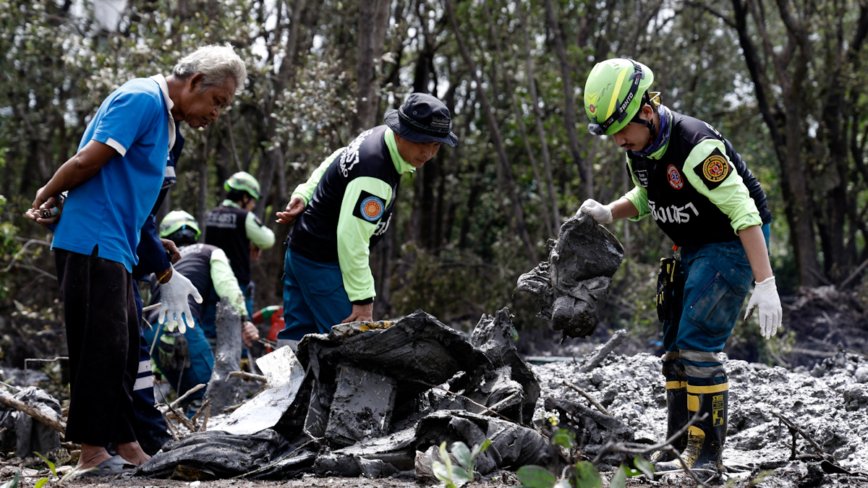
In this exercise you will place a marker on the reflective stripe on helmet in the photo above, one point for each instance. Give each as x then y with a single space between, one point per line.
177 219
243 181
614 102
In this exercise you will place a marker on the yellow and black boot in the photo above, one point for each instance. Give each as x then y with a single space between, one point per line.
676 407
705 438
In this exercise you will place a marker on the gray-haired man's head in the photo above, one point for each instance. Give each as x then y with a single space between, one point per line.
215 64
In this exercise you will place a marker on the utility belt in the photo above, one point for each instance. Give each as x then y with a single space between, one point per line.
670 290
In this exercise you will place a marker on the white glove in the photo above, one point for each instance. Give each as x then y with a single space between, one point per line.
173 302
766 300
601 214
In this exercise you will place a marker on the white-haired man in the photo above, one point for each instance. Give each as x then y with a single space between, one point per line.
114 182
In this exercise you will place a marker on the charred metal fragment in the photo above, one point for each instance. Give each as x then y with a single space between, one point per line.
572 286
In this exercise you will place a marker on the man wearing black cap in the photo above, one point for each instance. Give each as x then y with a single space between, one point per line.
344 209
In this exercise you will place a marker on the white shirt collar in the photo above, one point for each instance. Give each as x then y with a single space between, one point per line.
164 87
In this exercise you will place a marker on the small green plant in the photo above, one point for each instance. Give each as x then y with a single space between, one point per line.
51 466
583 474
68 476
13 483
455 476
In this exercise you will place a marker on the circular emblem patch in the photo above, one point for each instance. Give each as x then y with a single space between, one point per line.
592 109
715 168
675 180
372 208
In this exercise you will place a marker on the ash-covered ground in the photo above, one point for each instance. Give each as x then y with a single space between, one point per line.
829 405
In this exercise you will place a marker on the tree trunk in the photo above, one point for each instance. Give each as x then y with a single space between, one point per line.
787 149
274 158
585 171
538 119
501 66
518 214
373 19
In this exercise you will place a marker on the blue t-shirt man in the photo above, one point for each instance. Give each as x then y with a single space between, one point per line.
109 209
95 245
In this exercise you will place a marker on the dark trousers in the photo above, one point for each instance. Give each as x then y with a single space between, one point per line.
152 433
102 334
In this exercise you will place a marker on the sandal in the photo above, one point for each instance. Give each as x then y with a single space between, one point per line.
112 466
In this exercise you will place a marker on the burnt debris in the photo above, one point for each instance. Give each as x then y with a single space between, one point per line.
374 398
572 286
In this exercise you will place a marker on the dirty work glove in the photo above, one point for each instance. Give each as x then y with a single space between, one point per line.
602 214
173 303
766 300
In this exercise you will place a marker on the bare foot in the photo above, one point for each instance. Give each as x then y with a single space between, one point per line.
91 456
132 452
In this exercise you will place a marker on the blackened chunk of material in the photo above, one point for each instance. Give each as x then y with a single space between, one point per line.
584 250
580 267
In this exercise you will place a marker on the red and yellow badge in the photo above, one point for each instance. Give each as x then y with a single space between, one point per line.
373 208
715 168
592 102
369 207
674 177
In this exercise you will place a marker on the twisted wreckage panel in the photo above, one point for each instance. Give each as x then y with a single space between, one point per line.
373 403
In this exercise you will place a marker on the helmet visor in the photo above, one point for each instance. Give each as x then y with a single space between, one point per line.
599 129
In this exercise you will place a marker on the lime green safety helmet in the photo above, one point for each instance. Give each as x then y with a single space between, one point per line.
614 93
177 220
243 181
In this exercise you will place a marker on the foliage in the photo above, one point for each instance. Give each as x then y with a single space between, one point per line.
71 475
455 476
453 247
581 475
13 483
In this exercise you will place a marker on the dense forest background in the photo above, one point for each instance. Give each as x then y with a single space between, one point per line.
783 80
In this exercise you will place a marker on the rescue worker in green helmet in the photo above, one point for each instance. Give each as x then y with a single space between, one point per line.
235 229
698 190
184 356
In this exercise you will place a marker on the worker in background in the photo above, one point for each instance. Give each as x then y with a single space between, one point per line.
698 189
234 228
344 209
186 359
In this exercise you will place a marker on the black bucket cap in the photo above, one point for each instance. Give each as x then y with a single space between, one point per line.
422 118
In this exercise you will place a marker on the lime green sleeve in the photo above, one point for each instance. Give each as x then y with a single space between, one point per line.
638 196
305 190
225 283
258 234
354 236
731 195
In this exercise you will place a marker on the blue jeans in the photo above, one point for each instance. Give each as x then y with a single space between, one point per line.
201 360
314 298
717 280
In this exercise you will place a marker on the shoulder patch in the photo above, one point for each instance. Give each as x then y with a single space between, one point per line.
369 207
258 222
714 169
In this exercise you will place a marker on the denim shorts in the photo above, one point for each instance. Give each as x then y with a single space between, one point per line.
717 280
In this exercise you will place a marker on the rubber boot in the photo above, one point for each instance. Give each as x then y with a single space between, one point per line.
676 409
705 438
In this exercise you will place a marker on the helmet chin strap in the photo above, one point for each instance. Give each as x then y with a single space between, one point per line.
652 130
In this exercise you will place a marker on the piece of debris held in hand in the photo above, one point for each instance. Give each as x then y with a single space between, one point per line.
572 286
